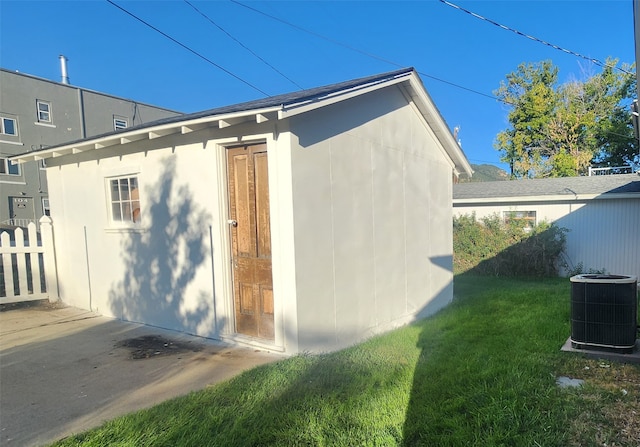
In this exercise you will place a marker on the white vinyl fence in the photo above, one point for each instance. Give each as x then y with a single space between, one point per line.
27 264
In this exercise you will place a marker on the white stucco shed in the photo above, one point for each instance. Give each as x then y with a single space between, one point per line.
301 222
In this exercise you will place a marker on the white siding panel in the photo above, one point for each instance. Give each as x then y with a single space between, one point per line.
366 218
313 221
389 222
605 235
418 225
159 274
353 237
440 238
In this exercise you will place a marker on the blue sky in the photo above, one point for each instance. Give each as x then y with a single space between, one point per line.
312 43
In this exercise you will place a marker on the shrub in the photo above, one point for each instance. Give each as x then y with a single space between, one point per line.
491 247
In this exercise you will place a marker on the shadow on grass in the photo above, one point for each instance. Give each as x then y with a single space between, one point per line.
480 372
484 372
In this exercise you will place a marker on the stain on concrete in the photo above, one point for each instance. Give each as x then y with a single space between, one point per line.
149 346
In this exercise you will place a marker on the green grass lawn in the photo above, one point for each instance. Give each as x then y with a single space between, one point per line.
482 372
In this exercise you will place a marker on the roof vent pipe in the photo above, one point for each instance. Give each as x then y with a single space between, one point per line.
63 69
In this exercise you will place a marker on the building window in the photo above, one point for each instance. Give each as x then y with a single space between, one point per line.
44 111
124 195
46 211
8 126
8 168
120 123
526 218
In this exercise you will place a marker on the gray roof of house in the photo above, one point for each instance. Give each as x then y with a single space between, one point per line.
308 95
569 186
278 107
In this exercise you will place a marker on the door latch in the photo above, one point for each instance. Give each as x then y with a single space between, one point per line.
232 222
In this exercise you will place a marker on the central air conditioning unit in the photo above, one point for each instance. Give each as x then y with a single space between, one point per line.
604 312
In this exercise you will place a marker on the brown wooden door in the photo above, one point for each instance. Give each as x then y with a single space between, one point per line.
251 240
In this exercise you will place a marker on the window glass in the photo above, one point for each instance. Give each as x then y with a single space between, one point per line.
125 200
45 207
116 213
14 169
44 111
124 189
526 218
6 167
8 126
115 191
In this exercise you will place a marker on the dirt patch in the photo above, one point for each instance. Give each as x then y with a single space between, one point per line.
149 346
611 402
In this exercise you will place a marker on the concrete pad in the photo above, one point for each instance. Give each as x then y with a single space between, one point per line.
605 354
64 370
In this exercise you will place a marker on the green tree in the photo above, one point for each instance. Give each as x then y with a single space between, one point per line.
614 91
530 91
561 130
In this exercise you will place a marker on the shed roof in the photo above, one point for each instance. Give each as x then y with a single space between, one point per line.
548 189
272 108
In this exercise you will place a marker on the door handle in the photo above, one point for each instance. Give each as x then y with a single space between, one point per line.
232 222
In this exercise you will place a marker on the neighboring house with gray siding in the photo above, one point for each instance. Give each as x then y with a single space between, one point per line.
36 113
601 212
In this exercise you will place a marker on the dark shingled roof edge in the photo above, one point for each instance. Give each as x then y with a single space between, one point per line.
563 186
283 100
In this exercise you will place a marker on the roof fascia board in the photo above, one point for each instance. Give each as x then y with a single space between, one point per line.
439 126
290 110
416 108
554 198
260 115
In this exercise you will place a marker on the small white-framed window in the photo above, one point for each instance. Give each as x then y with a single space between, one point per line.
120 123
527 218
8 168
8 126
43 109
46 211
124 198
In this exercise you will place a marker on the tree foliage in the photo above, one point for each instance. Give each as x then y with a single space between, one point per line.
560 130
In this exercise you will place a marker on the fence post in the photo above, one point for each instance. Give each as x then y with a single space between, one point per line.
50 267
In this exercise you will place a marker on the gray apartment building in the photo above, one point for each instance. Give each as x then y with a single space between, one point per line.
36 113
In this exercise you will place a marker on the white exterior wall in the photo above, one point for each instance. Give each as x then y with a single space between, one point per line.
603 232
175 272
549 212
372 217
160 275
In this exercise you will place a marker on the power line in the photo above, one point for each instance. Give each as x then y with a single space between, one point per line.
493 97
519 33
364 53
328 39
187 48
243 45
